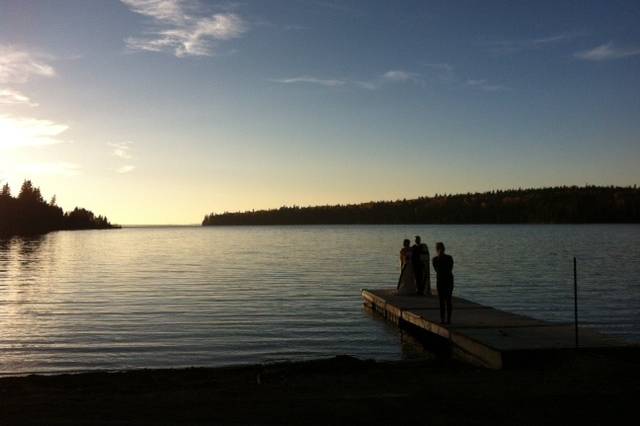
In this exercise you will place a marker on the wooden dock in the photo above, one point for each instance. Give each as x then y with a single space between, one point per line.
483 335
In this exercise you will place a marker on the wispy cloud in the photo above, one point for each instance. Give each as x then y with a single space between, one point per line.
440 71
121 150
485 86
19 132
181 28
446 73
309 80
14 97
506 47
125 169
399 76
607 52
161 10
390 77
18 66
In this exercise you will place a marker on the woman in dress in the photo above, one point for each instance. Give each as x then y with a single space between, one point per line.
407 280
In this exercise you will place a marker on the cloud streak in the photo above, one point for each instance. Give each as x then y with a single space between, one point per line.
122 150
125 169
18 66
389 77
182 29
399 76
19 132
440 71
310 80
161 10
14 97
507 47
607 52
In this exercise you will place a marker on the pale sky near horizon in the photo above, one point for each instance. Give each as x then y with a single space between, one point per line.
160 111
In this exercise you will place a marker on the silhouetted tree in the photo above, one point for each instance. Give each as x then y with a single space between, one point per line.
29 214
6 191
29 193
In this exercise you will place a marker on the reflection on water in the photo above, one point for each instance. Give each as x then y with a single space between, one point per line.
159 297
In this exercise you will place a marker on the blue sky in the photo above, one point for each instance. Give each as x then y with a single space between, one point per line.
159 111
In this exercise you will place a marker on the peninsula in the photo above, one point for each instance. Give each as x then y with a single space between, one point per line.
30 214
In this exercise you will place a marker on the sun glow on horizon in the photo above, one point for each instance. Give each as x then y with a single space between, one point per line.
162 111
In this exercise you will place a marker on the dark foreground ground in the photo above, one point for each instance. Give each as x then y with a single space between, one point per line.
587 389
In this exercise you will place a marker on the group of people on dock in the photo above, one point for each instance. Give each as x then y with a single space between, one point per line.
415 274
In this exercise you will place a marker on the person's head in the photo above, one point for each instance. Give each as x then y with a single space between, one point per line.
418 239
406 243
440 247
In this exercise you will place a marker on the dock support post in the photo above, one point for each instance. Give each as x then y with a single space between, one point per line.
575 297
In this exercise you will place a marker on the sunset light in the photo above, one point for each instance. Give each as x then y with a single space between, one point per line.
319 212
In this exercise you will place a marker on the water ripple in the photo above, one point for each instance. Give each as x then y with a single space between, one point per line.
174 297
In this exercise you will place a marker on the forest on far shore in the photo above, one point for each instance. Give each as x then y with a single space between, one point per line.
564 204
30 214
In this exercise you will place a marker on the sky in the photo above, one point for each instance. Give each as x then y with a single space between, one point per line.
161 111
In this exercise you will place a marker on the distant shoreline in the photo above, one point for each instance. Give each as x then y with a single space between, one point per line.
390 224
556 205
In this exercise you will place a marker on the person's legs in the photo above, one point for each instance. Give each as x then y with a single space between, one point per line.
419 279
427 280
441 297
449 306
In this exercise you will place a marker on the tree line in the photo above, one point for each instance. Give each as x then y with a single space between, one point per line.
565 204
30 214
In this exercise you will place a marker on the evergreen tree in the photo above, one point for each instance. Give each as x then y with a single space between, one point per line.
6 191
29 214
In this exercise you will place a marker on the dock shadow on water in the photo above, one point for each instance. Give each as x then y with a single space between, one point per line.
414 344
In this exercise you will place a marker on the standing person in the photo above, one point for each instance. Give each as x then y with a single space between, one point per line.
407 280
420 258
443 265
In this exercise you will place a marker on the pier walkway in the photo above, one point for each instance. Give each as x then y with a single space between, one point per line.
483 335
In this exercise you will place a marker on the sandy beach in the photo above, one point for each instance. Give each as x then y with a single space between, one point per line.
589 388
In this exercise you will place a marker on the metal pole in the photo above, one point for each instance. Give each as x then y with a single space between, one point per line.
575 296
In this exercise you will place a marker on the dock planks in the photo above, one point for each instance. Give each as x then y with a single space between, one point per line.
481 334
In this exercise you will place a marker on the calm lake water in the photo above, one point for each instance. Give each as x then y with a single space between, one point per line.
192 296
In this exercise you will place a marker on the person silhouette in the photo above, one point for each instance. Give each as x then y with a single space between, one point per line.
443 265
420 259
407 279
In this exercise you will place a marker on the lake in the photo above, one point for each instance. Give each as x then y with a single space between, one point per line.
192 296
